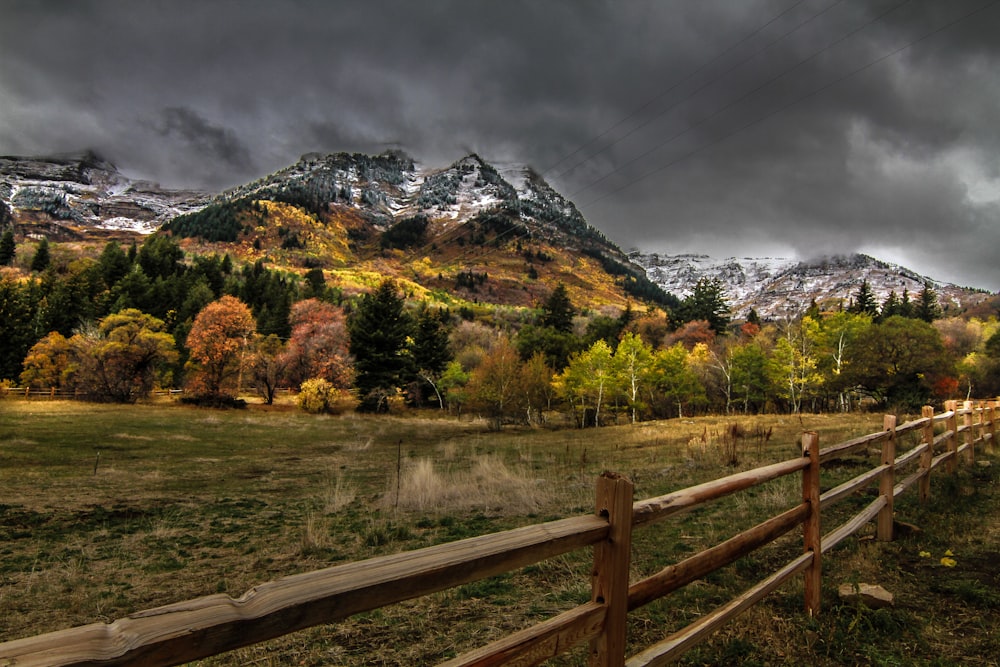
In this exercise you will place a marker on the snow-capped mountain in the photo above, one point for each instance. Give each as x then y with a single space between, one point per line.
779 287
392 186
71 194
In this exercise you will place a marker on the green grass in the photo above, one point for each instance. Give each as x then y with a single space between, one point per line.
186 502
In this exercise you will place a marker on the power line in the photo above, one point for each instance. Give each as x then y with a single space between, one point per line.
782 108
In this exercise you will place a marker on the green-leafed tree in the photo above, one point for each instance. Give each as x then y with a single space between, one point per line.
379 331
899 360
749 376
587 382
632 361
431 350
673 382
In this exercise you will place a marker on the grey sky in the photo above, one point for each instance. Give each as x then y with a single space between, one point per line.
729 127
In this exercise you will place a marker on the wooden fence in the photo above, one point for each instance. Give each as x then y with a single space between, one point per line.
207 626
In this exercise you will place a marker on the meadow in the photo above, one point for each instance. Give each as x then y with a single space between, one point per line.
107 510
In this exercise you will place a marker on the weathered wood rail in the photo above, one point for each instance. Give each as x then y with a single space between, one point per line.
207 626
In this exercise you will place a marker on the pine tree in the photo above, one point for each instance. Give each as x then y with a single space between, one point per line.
707 303
864 301
8 248
927 308
42 258
379 330
558 310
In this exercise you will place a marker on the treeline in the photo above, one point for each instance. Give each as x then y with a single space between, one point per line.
155 279
115 326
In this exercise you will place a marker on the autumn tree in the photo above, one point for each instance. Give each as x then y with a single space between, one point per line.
494 387
268 366
120 359
49 363
379 332
218 343
318 347
123 357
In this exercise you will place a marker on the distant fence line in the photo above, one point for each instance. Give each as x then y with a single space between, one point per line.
207 626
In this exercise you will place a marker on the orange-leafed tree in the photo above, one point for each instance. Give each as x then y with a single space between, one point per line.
319 345
219 343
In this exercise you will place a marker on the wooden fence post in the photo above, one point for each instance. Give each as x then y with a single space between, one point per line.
952 423
991 427
811 531
612 558
924 486
887 480
970 433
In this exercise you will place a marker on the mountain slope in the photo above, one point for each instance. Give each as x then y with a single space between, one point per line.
779 287
469 229
71 196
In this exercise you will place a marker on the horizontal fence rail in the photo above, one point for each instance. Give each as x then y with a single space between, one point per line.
210 625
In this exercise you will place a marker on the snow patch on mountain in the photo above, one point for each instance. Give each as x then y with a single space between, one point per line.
781 287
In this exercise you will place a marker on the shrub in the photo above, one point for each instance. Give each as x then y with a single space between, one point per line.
320 396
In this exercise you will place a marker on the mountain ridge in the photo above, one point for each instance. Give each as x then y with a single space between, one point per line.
390 214
781 288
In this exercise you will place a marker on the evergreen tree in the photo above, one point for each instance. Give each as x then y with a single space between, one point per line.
379 329
113 263
558 311
707 303
927 308
42 258
864 301
8 249
431 350
891 306
905 305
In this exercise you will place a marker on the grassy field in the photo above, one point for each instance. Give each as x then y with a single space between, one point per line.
107 510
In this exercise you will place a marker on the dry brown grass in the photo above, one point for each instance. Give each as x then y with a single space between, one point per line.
220 502
489 485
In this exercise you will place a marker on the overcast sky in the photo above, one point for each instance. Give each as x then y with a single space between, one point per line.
724 127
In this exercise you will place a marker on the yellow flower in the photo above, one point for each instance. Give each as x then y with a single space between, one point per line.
925 554
948 562
948 553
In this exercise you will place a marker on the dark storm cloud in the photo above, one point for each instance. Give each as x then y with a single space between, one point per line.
208 141
757 127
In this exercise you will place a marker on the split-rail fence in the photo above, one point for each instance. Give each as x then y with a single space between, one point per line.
207 626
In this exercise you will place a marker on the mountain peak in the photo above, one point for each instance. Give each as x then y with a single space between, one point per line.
779 288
